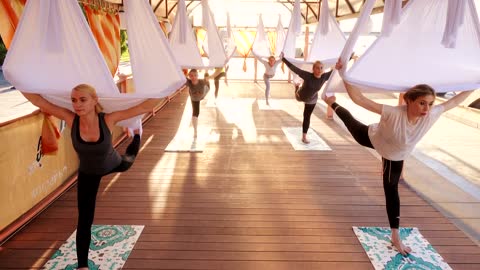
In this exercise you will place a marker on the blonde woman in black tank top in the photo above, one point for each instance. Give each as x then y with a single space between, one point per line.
91 137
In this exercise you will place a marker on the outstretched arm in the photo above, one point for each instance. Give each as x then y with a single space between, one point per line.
456 100
300 72
357 97
50 108
144 107
259 58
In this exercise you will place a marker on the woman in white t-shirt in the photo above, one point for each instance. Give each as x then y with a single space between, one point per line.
270 68
394 137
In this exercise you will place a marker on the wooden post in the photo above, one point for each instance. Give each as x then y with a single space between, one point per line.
400 99
255 68
305 47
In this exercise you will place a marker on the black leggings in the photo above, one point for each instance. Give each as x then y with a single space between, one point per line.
87 188
216 81
196 108
307 113
392 170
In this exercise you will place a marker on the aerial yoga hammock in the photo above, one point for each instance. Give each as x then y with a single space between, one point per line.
184 45
261 44
327 44
280 37
68 55
434 42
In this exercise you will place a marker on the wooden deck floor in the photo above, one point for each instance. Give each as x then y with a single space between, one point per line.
249 201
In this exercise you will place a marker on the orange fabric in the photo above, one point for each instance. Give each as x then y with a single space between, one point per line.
106 30
164 28
201 35
244 41
272 38
10 12
50 136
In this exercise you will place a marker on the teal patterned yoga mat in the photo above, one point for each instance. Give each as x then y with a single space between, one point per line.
382 254
110 247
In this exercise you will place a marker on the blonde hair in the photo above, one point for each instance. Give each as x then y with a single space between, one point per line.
317 63
419 90
85 88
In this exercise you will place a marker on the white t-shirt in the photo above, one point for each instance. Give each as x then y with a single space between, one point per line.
269 70
394 137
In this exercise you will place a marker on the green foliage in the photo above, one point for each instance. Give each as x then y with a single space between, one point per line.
3 51
123 41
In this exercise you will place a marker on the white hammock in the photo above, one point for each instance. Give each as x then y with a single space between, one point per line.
67 55
327 44
184 44
436 42
294 29
231 47
280 37
261 44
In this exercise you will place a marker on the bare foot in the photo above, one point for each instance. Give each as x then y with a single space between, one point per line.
305 141
397 243
268 104
329 100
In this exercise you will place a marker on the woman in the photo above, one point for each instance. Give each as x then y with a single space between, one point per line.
308 92
270 69
218 73
394 137
91 139
197 89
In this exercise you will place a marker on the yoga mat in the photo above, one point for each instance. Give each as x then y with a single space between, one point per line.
274 104
184 141
109 249
294 136
383 255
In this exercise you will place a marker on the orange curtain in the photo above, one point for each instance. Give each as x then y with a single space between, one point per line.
10 12
201 34
244 41
106 30
272 38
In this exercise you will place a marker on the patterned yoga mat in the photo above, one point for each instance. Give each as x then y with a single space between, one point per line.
382 254
110 247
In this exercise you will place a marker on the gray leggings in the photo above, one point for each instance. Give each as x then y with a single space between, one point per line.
266 79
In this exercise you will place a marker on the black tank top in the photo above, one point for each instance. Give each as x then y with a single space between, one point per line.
98 157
